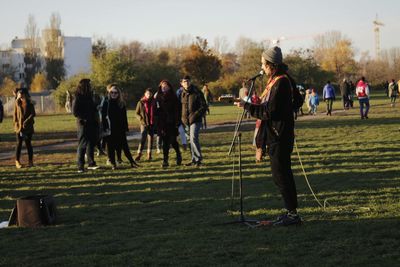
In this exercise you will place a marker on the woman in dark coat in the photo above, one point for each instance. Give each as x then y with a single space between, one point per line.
167 117
24 113
114 117
84 109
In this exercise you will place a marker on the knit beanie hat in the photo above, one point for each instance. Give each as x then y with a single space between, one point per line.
273 55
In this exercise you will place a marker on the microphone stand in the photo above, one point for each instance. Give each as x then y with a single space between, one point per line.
238 136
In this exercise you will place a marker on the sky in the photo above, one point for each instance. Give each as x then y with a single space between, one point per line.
162 20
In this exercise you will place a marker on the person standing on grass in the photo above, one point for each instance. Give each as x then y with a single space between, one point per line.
24 113
114 109
167 117
392 92
193 109
328 94
85 110
362 92
145 114
276 113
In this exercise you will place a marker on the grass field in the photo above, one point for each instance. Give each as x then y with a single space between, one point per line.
174 217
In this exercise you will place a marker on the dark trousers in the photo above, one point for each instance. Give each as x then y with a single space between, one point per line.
170 140
28 142
117 144
146 135
282 173
86 146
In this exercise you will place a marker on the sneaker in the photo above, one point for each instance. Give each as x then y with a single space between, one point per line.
114 167
288 219
93 167
137 158
81 170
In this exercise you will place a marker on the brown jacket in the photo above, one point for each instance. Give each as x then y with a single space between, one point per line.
23 118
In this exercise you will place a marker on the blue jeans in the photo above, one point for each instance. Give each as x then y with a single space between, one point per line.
192 134
364 102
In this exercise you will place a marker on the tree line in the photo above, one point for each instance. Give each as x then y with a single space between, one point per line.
136 66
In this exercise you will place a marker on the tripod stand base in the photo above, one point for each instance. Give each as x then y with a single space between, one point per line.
242 220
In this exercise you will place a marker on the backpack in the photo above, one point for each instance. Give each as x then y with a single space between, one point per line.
297 98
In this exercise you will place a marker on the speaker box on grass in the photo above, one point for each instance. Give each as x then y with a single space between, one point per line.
34 211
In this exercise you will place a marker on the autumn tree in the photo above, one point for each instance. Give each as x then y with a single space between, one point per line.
39 83
334 52
201 64
305 70
7 87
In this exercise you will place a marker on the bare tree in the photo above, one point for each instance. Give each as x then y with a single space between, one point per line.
31 50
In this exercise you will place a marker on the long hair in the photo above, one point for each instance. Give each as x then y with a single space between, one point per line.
120 100
84 88
168 83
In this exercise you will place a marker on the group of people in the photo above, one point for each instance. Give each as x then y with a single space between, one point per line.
347 89
163 113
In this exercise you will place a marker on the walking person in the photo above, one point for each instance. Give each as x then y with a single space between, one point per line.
314 102
393 92
24 113
167 117
328 94
145 114
114 117
276 111
193 109
84 109
345 92
362 92
307 100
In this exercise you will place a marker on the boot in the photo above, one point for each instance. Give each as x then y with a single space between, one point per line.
18 164
139 155
149 156
30 164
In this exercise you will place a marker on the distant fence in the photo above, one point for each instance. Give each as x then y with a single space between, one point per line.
44 104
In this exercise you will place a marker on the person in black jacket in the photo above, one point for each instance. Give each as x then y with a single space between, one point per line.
166 115
84 109
194 108
276 113
114 113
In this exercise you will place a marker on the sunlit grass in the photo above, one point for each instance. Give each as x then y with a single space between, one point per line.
174 216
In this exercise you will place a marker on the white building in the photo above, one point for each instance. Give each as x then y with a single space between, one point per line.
12 63
76 52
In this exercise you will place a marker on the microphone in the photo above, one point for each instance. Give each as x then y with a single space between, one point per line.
261 73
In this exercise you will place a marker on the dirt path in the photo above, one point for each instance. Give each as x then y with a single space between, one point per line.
136 136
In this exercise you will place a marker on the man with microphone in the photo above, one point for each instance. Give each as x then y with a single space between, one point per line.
276 113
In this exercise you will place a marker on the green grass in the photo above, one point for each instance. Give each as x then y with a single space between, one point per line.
174 217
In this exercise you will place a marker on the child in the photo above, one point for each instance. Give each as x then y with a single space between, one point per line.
307 100
314 101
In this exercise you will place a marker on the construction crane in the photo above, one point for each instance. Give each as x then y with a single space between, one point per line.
377 25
